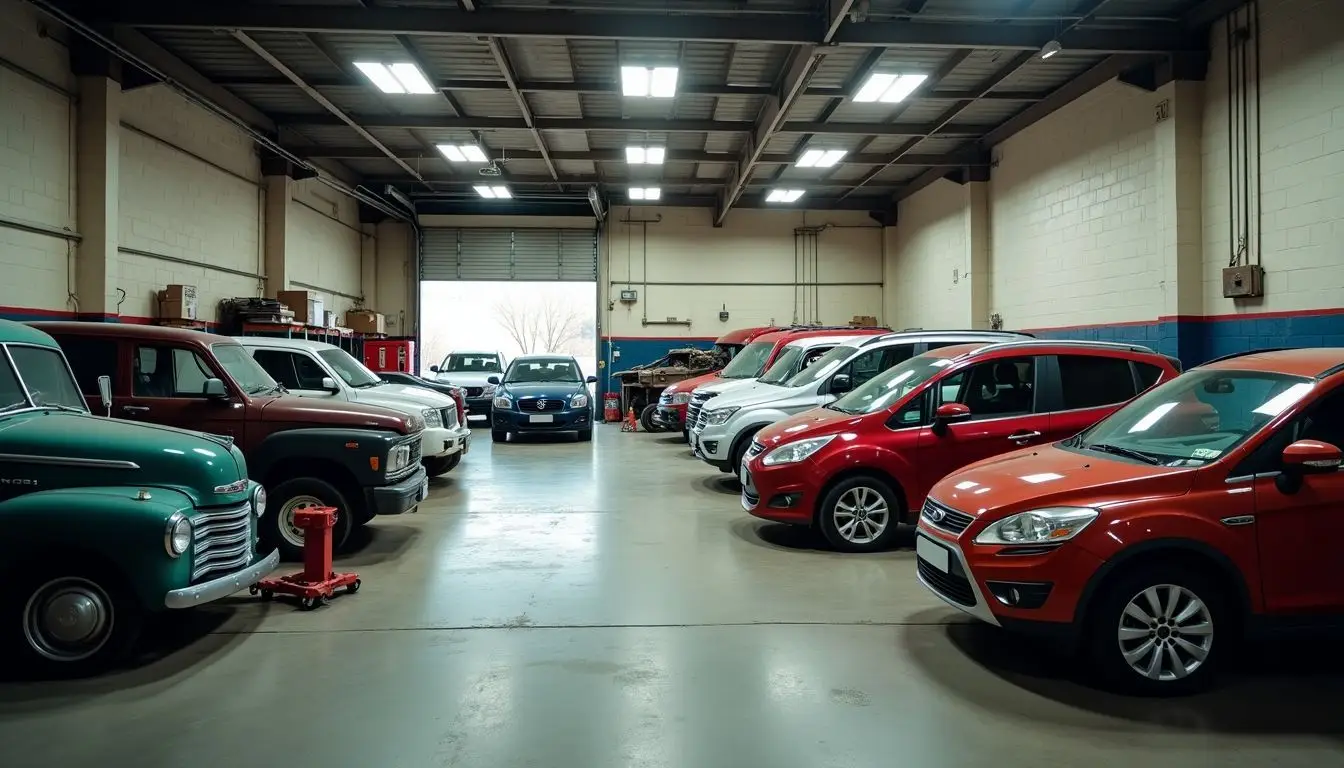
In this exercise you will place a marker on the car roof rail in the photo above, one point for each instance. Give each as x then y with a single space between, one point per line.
937 332
1078 343
1246 352
918 329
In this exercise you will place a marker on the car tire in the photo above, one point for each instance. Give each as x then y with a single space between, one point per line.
498 435
103 603
860 514
1164 658
439 465
686 436
646 420
278 531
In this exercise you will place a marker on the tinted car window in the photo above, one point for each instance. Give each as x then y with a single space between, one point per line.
1088 381
1148 374
89 359
278 365
1000 387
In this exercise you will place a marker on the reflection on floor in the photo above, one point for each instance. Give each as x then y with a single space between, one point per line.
562 604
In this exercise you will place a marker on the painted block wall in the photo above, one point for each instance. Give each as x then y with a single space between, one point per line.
931 242
325 244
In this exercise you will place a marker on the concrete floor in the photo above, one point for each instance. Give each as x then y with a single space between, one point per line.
561 604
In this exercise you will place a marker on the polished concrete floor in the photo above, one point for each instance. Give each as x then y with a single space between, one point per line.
560 604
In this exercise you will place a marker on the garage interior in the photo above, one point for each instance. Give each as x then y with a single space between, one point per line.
1077 169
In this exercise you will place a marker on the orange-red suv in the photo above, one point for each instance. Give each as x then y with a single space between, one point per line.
1210 505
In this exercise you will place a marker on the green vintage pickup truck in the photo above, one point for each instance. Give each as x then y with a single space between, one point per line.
103 520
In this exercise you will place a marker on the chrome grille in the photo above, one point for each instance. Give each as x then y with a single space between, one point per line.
755 449
221 541
449 417
475 391
697 404
547 404
945 518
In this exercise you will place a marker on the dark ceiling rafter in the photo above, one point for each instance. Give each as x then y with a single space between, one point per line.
952 159
585 179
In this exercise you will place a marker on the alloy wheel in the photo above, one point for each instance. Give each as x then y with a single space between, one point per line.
1165 632
861 515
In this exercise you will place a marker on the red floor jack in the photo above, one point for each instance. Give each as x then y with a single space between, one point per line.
316 584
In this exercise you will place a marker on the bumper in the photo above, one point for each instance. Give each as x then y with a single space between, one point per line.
671 417
200 594
780 494
401 496
713 445
558 421
479 406
443 441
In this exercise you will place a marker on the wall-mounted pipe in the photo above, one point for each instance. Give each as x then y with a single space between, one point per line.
191 263
37 228
757 284
333 292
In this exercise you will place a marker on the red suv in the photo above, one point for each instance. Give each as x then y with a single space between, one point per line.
862 464
1209 505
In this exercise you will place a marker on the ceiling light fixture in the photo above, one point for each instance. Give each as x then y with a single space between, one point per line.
645 193
649 82
820 158
494 193
462 153
1050 49
396 78
889 88
645 155
783 195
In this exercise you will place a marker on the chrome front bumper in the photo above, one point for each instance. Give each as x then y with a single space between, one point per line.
209 591
981 609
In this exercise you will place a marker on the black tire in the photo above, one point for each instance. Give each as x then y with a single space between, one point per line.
739 453
852 491
116 619
440 465
498 435
646 418
291 546
686 436
1106 618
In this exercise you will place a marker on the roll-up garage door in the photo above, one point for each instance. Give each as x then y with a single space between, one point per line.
509 254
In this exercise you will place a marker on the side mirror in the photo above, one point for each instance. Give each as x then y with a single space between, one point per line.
591 379
1312 457
493 380
841 383
214 388
949 413
329 384
105 394
433 369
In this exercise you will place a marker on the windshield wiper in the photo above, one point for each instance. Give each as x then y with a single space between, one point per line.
1128 453
60 407
13 406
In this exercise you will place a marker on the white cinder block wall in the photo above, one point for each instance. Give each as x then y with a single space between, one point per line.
929 262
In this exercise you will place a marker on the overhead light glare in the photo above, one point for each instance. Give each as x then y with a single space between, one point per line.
412 79
649 82
380 76
396 78
645 193
462 153
889 88
1050 49
645 155
820 158
783 195
493 193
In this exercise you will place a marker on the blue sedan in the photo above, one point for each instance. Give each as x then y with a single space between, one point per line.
542 393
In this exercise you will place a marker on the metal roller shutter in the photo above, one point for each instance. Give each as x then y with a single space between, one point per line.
509 254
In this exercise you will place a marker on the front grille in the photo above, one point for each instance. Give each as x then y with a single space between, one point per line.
547 404
411 464
945 518
449 417
952 586
475 391
696 405
755 449
701 419
221 541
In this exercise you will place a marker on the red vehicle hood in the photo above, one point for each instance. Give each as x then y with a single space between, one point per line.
817 422
1042 477
689 385
308 411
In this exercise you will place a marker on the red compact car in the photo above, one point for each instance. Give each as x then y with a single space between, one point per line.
671 413
862 464
1209 505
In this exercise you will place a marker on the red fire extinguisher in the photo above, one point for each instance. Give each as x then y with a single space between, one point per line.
611 407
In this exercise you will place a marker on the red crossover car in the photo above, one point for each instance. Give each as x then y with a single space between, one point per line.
1210 505
862 464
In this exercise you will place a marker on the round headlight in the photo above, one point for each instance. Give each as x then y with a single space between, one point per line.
177 537
259 501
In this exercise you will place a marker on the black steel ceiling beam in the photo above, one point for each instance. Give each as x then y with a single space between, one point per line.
951 160
449 181
782 30
506 69
1209 11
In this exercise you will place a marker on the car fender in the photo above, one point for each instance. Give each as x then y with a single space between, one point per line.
350 448
120 526
858 455
745 421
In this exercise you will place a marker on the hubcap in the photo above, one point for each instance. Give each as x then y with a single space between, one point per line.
861 515
289 530
68 619
1165 632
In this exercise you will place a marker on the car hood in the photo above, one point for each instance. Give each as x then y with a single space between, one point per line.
720 385
556 390
466 378
401 397
749 394
194 463
1039 477
329 412
816 422
689 385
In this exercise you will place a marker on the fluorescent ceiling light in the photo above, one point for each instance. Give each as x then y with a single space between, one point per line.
645 193
462 153
1050 49
889 88
645 155
493 193
820 158
783 195
396 78
651 82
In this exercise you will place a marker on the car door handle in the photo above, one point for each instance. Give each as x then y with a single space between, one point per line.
135 409
1022 437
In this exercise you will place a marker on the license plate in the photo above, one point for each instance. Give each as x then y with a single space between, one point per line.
547 419
466 446
931 553
424 489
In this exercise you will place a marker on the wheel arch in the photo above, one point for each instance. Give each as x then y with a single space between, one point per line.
1169 550
329 471
863 470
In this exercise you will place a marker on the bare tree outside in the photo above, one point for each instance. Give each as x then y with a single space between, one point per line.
541 326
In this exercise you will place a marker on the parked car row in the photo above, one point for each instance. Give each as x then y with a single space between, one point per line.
188 492
1086 492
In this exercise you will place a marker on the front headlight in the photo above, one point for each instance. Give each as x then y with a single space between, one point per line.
398 458
793 453
721 416
489 389
177 535
681 398
578 401
1038 526
259 501
432 419
503 403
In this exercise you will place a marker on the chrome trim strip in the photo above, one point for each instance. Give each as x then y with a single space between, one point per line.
68 461
1249 478
1238 520
189 597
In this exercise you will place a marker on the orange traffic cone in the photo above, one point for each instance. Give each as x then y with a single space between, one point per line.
630 425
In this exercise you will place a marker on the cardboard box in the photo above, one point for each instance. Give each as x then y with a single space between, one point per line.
178 302
307 306
863 321
365 321
330 319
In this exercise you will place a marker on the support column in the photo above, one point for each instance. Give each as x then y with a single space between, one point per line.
977 250
1179 142
97 161
275 231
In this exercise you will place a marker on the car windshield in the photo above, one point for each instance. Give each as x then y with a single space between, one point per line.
728 351
44 374
888 387
350 370
749 362
1195 418
248 373
471 363
821 367
542 371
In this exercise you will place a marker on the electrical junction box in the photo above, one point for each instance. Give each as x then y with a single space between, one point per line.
629 297
723 315
1243 282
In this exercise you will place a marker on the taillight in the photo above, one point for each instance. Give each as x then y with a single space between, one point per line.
461 407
